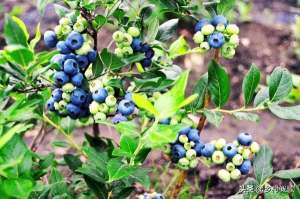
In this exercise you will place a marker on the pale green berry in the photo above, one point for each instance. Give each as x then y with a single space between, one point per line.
119 52
235 174
89 73
220 28
62 105
220 143
198 37
127 39
94 107
192 143
58 31
68 88
88 39
254 147
193 163
183 139
236 143
188 122
246 153
95 85
105 80
183 163
82 20
103 108
232 29
111 100
234 39
65 21
118 36
240 149
156 95
207 29
224 175
66 97
66 29
100 116
113 109
63 111
228 50
85 49
127 51
187 146
230 166
204 46
56 106
110 90
237 160
174 121
134 31
167 148
79 27
191 154
218 157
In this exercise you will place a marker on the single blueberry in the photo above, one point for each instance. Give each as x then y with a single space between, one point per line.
219 19
74 40
126 107
77 80
57 94
73 111
100 95
71 67
193 135
50 104
50 39
61 78
216 40
208 150
229 150
63 48
78 97
118 118
92 55
200 24
82 61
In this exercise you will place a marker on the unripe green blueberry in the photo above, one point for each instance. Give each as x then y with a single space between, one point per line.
187 146
119 52
134 31
111 100
183 162
235 174
127 51
79 27
220 28
85 49
66 29
68 88
100 116
240 149
183 139
232 29
82 20
95 85
103 108
65 21
220 143
246 153
198 37
224 175
254 147
230 166
56 106
62 105
191 154
113 109
105 80
94 107
234 39
228 50
118 36
167 148
89 72
66 97
204 46
58 31
237 160
235 143
127 40
110 90
88 39
193 163
218 157
207 29
192 143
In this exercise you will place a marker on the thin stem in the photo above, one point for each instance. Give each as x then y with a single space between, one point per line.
242 109
179 184
173 180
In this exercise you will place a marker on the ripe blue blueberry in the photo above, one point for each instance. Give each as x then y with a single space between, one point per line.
70 56
208 150
219 19
146 62
126 107
136 45
149 54
184 131
61 78
57 94
78 97
63 48
58 59
74 40
92 55
100 95
128 96
73 111
198 148
244 139
245 167
200 24
193 135
84 112
145 48
50 39
82 61
158 196
165 121
50 104
229 150
71 67
118 118
77 80
216 40
178 151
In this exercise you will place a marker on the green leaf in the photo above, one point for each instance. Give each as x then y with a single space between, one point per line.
200 89
214 117
37 37
277 195
118 170
288 113
250 84
17 188
249 188
72 161
110 60
129 129
167 30
144 103
61 11
178 48
218 84
247 116
99 21
19 54
127 148
15 31
263 164
225 6
280 84
97 67
261 97
296 193
58 184
152 30
288 174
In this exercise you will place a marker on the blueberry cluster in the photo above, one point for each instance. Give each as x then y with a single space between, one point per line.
217 33
235 157
129 43
105 102
186 149
70 97
153 195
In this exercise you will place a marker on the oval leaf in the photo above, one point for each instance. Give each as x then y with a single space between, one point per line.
250 84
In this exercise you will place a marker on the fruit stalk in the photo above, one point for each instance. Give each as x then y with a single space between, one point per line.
179 184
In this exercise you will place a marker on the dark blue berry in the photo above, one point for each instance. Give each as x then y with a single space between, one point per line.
73 111
245 167
118 118
126 107
78 97
244 139
82 61
136 45
229 150
219 19
200 24
100 95
193 135
50 104
208 150
61 78
77 80
198 148
50 39
57 94
146 62
63 48
74 40
58 59
92 55
149 54
71 67
184 131
216 40
178 151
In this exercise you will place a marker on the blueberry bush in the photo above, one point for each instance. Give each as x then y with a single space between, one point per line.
135 86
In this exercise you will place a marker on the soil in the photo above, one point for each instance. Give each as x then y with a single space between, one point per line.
266 41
